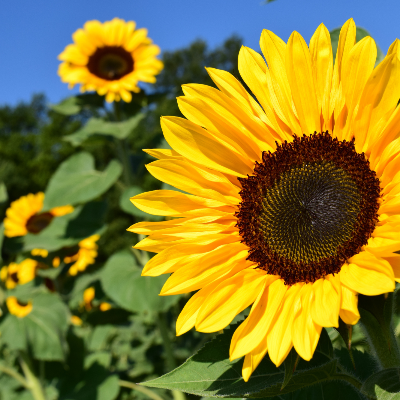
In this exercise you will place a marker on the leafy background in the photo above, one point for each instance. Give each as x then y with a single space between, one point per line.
78 153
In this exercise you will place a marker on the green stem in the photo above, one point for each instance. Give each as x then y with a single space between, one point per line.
14 374
376 313
34 384
122 145
134 386
171 363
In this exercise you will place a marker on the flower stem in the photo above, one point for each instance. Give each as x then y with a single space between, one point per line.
34 384
14 374
134 386
122 149
376 321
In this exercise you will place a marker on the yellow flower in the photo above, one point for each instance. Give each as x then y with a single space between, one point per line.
40 252
295 193
88 296
84 255
105 306
76 320
110 58
19 274
18 308
24 215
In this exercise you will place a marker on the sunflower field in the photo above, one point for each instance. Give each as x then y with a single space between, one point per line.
245 247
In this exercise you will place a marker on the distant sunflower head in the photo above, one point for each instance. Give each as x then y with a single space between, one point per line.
110 58
82 255
24 215
20 273
18 308
292 193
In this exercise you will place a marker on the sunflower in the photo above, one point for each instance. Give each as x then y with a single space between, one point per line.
88 297
24 216
18 308
19 274
82 255
294 193
110 58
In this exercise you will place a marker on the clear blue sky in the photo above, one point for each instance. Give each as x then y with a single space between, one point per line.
33 33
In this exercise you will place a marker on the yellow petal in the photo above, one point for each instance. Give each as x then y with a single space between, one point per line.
253 359
279 339
395 264
199 146
300 75
349 310
326 302
367 274
200 272
255 327
230 298
163 154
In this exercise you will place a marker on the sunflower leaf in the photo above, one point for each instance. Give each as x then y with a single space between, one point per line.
122 281
97 126
76 181
384 385
209 373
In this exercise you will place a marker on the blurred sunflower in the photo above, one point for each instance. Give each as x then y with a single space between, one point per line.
19 274
18 308
110 58
24 216
82 255
295 198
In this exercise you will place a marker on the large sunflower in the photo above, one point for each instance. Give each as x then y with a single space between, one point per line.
294 204
24 215
110 58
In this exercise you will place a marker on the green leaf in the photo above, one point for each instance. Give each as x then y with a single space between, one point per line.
122 281
360 34
209 373
68 106
290 365
127 206
97 126
43 329
3 193
76 181
384 385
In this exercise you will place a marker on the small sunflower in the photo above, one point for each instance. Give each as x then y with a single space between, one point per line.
88 297
83 255
110 58
18 308
19 274
294 204
75 320
24 216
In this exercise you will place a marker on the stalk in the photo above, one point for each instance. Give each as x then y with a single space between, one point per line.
34 384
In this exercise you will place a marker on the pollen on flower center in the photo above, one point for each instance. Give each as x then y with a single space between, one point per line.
110 63
309 206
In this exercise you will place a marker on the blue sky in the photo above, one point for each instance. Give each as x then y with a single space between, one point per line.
33 33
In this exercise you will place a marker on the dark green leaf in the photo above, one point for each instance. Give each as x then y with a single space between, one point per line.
384 385
44 328
119 130
76 181
210 373
122 281
1 239
127 206
290 364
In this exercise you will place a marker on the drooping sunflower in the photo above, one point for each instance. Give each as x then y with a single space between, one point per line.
110 58
18 308
83 255
24 215
294 204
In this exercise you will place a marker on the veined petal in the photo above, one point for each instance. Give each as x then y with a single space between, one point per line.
348 309
229 299
253 359
367 274
395 264
255 327
279 338
199 146
206 269
300 75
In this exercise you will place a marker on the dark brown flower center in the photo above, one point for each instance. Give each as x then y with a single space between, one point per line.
38 222
308 207
110 63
